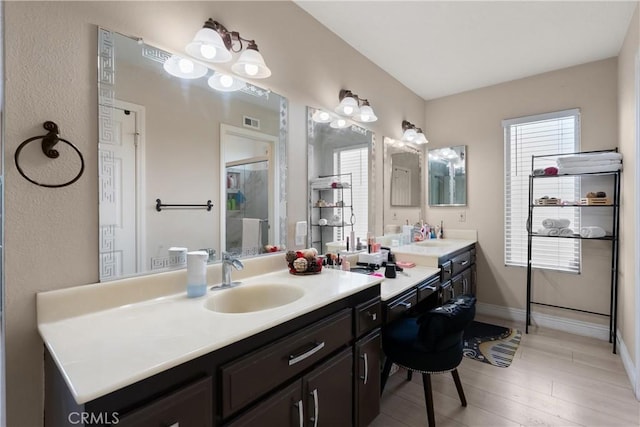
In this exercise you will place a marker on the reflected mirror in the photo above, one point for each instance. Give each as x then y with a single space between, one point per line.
447 176
341 174
403 163
182 165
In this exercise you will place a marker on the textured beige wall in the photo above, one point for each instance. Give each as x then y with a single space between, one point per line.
628 116
52 234
474 119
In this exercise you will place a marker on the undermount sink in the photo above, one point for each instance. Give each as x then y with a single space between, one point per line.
253 298
433 242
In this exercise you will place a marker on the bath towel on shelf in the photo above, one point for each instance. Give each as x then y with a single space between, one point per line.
555 223
592 232
250 236
556 232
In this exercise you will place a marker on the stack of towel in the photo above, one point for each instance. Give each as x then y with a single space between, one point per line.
608 161
556 227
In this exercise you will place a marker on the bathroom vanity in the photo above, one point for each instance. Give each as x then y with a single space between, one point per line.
277 350
313 361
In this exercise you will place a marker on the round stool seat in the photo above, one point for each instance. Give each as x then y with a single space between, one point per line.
402 345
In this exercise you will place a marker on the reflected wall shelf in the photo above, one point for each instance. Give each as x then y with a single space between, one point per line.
340 200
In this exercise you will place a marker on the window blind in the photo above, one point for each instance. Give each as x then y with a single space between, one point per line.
547 134
355 161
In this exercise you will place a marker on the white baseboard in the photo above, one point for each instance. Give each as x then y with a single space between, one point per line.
628 363
577 327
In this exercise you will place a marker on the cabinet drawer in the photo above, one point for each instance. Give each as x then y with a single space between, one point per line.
368 316
428 288
445 272
401 305
190 406
460 262
246 379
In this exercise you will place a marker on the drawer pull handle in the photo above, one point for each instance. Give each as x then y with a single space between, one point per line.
463 263
300 413
174 425
295 359
405 304
432 287
448 269
365 378
316 408
373 316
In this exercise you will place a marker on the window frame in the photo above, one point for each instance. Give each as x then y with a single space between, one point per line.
572 260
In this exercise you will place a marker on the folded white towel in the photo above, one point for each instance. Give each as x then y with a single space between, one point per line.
589 169
549 231
592 232
555 223
590 157
573 164
560 232
564 232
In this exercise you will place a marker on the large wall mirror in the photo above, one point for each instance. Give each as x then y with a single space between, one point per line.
403 173
447 176
341 176
183 165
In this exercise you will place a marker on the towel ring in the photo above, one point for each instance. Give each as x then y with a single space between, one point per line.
48 142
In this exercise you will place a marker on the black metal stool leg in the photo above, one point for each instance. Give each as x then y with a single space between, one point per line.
385 373
456 379
428 397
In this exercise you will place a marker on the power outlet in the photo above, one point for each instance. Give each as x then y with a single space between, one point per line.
462 216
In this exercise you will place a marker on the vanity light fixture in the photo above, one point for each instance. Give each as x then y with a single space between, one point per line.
225 82
413 134
339 123
184 68
214 43
351 105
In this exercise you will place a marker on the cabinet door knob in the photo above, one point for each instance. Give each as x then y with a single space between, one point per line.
365 378
300 413
316 408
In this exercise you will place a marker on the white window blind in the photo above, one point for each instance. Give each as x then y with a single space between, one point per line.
546 134
354 161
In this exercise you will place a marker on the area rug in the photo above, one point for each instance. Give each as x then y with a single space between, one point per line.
491 344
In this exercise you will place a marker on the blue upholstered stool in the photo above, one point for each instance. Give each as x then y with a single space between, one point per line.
430 343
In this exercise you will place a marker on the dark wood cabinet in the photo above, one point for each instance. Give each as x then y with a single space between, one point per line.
458 273
328 393
187 407
367 378
284 408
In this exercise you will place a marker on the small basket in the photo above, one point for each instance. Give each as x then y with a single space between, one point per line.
548 202
596 201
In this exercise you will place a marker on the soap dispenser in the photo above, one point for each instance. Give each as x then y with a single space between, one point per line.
196 273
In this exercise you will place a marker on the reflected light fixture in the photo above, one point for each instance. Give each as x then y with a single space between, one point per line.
339 123
214 43
320 116
351 105
225 82
184 68
413 134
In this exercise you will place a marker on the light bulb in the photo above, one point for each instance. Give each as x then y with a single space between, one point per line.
226 81
251 69
324 115
364 117
348 110
186 66
342 122
208 51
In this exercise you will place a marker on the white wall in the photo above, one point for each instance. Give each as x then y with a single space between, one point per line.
52 234
474 119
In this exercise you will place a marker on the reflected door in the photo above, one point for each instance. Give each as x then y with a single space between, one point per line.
118 205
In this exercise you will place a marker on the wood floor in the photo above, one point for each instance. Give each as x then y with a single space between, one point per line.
556 379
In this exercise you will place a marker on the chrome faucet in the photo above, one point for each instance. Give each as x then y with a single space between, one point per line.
228 261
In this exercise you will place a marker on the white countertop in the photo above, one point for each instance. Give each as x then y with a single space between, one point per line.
428 252
392 287
102 351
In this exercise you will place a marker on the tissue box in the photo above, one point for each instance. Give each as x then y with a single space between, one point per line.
372 258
